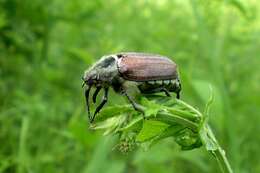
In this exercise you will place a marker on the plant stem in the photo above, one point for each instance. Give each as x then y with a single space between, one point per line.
219 153
173 119
222 160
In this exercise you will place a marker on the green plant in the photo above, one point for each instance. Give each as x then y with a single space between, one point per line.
164 117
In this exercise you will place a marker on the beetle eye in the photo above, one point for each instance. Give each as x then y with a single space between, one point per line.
119 55
106 62
90 82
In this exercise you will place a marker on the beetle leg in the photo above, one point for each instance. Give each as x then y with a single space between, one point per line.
87 101
104 100
95 94
179 91
136 106
178 95
167 93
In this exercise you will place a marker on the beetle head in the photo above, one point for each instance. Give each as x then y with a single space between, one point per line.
101 73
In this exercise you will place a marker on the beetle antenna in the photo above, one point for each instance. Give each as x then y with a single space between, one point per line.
87 101
84 82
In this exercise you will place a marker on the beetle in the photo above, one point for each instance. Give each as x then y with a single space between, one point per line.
149 72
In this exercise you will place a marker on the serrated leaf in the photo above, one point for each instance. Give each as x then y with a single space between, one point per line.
152 107
113 111
134 125
170 131
151 129
110 125
188 139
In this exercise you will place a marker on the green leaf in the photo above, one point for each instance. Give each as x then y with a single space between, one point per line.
134 125
114 111
188 139
170 131
110 125
152 107
151 129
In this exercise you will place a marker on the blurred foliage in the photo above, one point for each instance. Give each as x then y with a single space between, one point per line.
46 45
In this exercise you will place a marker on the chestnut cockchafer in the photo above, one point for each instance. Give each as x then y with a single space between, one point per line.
150 73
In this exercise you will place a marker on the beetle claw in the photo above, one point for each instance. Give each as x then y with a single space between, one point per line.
104 100
87 101
167 93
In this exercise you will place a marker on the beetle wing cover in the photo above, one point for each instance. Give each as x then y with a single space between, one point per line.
145 67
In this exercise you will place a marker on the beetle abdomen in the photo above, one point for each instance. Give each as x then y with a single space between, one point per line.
146 67
159 86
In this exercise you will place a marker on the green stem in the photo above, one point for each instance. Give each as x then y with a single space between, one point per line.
185 114
222 160
219 153
173 119
189 107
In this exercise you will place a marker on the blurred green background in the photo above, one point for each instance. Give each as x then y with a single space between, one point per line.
45 46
